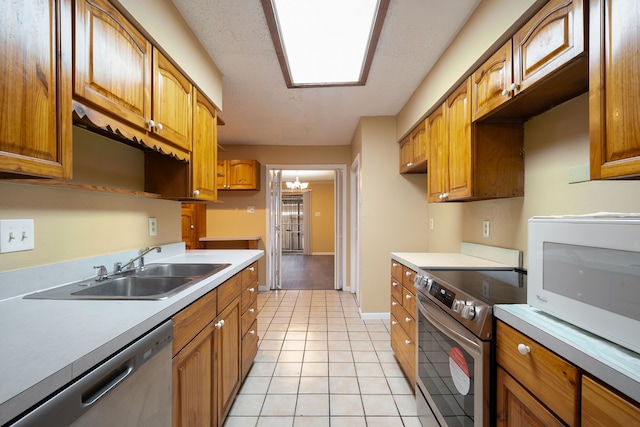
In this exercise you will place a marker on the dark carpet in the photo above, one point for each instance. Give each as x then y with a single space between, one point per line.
307 272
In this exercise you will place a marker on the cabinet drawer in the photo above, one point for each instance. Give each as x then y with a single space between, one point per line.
404 348
190 321
554 381
250 275
229 291
409 301
249 296
249 316
396 270
249 348
407 277
404 318
396 289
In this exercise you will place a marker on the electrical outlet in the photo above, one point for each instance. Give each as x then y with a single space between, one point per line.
16 235
153 226
485 228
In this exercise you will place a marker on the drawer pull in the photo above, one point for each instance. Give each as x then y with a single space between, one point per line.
252 332
393 322
395 264
407 273
251 310
407 319
524 349
408 296
394 284
393 303
251 269
407 342
220 324
252 289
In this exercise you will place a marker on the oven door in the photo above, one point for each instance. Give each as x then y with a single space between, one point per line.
453 370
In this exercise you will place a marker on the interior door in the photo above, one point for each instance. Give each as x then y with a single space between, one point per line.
275 218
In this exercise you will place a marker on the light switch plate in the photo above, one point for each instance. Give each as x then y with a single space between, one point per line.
16 235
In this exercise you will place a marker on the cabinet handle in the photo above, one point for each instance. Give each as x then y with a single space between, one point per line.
394 283
408 296
505 92
251 310
159 127
151 124
219 324
395 264
407 273
393 322
407 319
252 332
196 193
251 268
515 86
407 342
192 226
252 289
410 164
393 303
524 349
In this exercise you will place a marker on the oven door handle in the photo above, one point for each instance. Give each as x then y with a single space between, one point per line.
454 330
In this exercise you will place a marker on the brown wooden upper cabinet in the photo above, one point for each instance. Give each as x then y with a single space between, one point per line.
543 64
614 89
125 86
238 175
472 161
413 151
36 67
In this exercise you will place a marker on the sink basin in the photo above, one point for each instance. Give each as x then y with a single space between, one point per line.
180 270
133 287
155 282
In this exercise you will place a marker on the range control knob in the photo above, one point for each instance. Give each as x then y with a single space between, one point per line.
458 305
468 312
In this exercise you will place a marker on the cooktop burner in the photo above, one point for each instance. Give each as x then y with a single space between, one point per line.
489 286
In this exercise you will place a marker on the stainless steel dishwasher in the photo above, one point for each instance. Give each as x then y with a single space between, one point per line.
131 388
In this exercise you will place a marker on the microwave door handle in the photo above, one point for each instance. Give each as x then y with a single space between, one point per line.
468 343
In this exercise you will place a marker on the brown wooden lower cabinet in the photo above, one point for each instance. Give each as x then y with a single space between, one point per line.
602 406
403 319
210 355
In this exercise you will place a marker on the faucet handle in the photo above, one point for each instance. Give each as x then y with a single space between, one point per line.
102 272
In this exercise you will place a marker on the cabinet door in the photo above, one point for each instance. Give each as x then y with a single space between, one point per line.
193 402
172 102
406 155
35 88
204 152
228 346
460 182
221 175
419 144
242 174
603 407
193 224
436 133
112 64
492 82
516 407
552 38
614 88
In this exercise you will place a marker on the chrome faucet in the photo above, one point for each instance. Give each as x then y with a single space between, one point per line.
130 265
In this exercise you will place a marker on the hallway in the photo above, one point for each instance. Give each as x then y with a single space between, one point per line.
312 272
319 364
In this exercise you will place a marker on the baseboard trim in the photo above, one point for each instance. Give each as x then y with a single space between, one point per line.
322 253
374 316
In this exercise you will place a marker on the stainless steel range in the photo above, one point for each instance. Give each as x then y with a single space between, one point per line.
455 341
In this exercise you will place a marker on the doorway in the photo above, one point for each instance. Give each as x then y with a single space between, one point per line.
278 230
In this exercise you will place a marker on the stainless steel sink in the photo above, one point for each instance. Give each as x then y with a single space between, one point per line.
154 282
133 287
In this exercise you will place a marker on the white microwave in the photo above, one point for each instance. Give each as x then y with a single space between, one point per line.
586 270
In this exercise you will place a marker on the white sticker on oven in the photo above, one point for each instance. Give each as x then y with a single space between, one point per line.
459 371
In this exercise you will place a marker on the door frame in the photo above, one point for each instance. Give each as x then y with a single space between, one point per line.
354 229
340 221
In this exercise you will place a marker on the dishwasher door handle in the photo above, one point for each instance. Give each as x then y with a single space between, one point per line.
102 386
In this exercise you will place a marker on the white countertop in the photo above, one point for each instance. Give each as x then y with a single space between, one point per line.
48 343
612 364
418 260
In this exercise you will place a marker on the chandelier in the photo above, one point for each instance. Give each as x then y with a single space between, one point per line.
297 185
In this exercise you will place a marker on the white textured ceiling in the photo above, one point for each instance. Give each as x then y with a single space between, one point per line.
259 109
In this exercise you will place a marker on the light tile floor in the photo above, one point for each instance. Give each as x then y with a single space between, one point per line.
320 364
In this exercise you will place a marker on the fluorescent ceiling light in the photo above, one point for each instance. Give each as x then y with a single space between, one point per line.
325 42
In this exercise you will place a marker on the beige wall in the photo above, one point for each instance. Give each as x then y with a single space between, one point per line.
322 218
392 212
71 224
